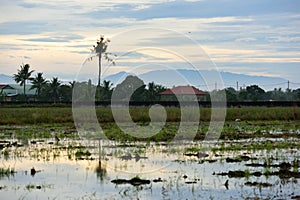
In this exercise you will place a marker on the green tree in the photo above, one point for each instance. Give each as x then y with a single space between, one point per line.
132 88
65 93
153 91
106 90
231 94
22 76
252 93
72 84
83 91
276 94
38 83
89 90
296 94
54 86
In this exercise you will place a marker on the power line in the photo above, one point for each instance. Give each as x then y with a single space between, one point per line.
242 85
294 83
282 83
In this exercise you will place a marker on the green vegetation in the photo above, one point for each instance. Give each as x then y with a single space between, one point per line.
258 146
22 76
132 88
255 93
6 172
30 186
63 115
42 122
81 153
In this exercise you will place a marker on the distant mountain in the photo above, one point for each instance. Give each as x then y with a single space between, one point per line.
203 79
118 77
5 79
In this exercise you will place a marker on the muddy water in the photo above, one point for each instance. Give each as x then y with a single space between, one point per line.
70 169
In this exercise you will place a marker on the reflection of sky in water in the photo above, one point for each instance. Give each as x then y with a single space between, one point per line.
62 178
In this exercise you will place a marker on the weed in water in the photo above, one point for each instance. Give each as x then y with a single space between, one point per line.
30 186
6 152
247 174
267 172
6 172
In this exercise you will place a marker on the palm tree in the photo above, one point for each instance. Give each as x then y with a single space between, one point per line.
89 90
23 75
154 90
100 50
54 88
107 91
151 91
72 84
38 82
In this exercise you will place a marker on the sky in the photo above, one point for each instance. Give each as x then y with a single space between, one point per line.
248 37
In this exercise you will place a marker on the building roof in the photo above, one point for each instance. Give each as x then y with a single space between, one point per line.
183 90
5 86
20 90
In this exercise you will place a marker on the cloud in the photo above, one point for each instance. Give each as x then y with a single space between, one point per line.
29 5
248 39
23 27
81 52
244 33
198 9
10 47
284 39
56 39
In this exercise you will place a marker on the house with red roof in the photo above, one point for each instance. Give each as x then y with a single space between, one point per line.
184 93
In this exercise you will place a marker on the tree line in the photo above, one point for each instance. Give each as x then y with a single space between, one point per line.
55 91
132 88
46 90
254 93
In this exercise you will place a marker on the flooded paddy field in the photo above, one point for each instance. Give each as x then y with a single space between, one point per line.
52 163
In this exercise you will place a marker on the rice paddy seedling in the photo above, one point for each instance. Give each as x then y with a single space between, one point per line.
6 172
267 172
247 174
81 153
30 186
63 115
192 149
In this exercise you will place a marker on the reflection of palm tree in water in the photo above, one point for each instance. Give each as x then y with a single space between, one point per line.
101 167
101 170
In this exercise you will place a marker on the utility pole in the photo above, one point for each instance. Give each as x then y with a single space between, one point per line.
216 86
288 85
237 86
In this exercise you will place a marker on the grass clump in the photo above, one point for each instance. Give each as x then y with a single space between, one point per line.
6 172
192 149
30 186
81 153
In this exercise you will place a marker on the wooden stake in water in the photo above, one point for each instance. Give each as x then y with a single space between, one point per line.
100 150
101 168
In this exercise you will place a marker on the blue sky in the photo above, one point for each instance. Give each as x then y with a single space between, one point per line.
257 37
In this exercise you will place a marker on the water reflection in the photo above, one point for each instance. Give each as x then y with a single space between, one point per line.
101 170
186 175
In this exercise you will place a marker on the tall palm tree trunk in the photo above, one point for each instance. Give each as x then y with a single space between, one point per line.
99 79
24 90
99 75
